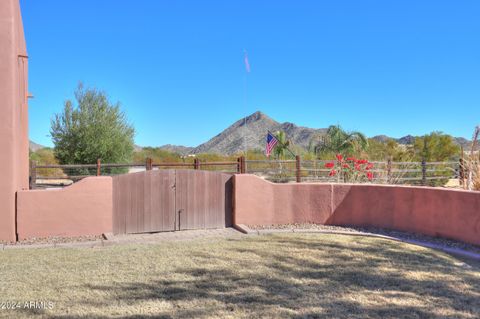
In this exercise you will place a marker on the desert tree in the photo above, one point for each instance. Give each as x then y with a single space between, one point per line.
92 129
436 147
388 150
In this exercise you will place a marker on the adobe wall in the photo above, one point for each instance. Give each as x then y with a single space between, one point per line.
14 114
84 208
258 202
440 212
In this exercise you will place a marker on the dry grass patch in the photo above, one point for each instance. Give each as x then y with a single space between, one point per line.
287 275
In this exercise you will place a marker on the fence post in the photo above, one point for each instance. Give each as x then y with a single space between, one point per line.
196 163
389 171
148 164
424 172
242 165
239 165
99 167
33 174
461 171
297 166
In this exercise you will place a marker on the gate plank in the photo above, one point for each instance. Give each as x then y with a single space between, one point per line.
166 191
148 223
139 201
205 198
144 202
131 214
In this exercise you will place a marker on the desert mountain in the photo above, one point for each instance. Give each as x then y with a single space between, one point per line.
251 132
231 140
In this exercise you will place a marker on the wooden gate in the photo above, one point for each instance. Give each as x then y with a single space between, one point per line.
168 200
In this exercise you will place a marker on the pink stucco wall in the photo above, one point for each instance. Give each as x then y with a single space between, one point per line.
447 213
14 114
258 202
85 208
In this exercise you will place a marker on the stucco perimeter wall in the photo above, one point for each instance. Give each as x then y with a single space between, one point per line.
14 114
258 202
85 208
446 213
439 212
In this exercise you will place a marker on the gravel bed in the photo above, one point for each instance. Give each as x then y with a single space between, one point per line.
378 231
52 240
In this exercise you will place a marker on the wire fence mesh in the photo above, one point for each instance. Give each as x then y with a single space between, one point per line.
278 171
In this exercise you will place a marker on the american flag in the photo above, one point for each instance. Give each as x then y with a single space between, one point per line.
271 142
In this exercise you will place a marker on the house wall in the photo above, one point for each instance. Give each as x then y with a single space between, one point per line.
447 213
84 208
14 114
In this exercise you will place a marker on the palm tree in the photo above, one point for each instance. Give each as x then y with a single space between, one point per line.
280 151
282 145
337 140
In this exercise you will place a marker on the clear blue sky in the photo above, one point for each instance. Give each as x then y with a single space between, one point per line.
381 67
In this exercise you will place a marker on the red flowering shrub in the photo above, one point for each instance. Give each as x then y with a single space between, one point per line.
369 176
350 170
330 165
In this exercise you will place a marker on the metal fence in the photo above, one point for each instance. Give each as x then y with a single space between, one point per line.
46 176
279 171
411 173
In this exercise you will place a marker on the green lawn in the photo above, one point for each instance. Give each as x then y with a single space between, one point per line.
287 275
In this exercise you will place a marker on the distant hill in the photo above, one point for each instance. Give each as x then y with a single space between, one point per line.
137 148
466 144
382 138
250 132
410 139
35 147
179 149
406 140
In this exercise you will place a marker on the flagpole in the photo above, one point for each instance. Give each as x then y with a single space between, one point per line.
245 101
245 115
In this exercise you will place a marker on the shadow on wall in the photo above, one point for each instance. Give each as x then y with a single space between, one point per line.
451 214
228 202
